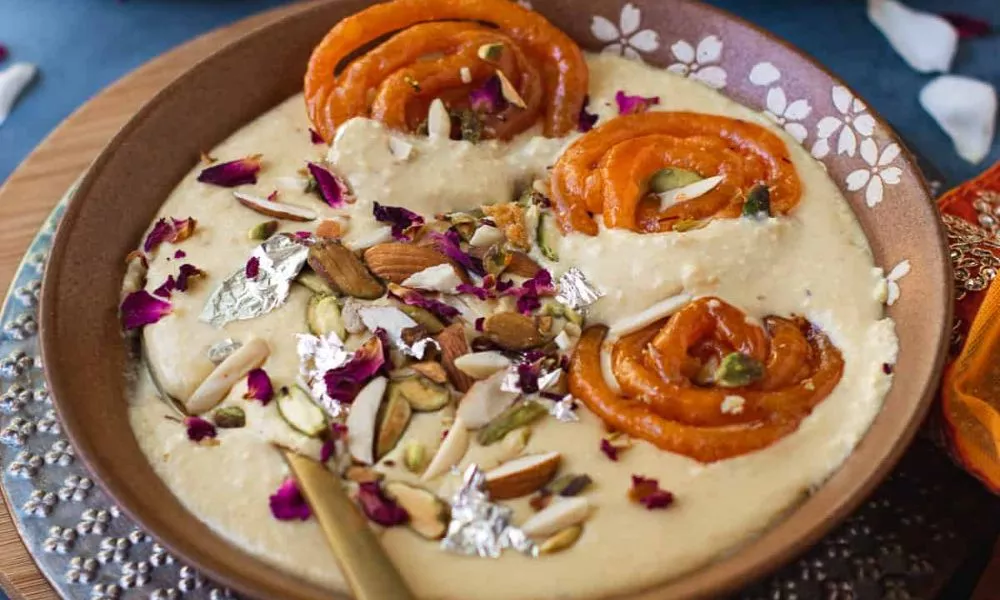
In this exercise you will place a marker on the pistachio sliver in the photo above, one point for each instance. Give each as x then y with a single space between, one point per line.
757 204
548 235
323 317
737 370
415 457
393 419
297 408
429 515
519 415
570 484
262 231
497 259
671 178
424 318
229 417
490 52
420 393
308 279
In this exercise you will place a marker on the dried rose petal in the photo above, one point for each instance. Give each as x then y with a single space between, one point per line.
331 188
259 386
449 244
180 254
527 377
586 120
199 429
327 450
315 137
488 98
378 507
3 52
302 235
166 288
253 268
467 288
186 272
402 220
288 503
141 308
628 105
530 292
344 382
233 173
968 27
415 298
157 235
183 229
647 492
479 323
609 450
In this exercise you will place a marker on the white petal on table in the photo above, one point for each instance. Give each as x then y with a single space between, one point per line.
13 81
925 41
966 109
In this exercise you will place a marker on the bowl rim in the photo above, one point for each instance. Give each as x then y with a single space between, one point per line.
704 582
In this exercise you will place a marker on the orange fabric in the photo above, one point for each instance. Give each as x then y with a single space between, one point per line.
970 390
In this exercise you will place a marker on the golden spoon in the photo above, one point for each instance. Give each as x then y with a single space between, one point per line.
365 565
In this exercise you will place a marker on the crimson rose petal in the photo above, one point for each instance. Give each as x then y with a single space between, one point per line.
628 105
184 276
166 288
233 173
141 308
609 450
259 386
648 492
331 188
401 219
253 267
586 120
159 234
379 507
199 429
288 503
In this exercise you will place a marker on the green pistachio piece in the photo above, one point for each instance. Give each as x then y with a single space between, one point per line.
415 457
262 231
422 394
490 52
737 370
758 202
323 317
424 318
497 259
570 484
470 125
688 225
230 417
670 179
393 419
548 236
518 415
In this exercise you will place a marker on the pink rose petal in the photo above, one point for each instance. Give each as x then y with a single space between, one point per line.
647 492
331 188
199 429
378 507
187 272
259 386
233 173
402 220
415 298
141 308
488 98
344 382
449 244
628 105
166 288
288 503
172 230
609 450
180 254
253 268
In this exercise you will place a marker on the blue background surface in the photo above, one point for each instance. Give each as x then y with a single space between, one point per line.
81 46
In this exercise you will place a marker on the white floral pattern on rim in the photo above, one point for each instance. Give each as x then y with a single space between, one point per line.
892 281
701 63
878 173
788 115
626 39
854 122
764 74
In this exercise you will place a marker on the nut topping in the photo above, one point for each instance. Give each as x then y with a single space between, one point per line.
522 476
344 271
397 262
513 331
453 345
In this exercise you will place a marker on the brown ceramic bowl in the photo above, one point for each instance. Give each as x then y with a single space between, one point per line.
85 355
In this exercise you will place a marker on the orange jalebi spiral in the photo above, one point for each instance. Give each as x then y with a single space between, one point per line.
433 40
656 368
607 170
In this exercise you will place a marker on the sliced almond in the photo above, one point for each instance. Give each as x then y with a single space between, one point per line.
688 192
522 476
509 92
438 121
278 210
431 370
374 237
214 388
558 515
429 515
344 271
513 331
484 401
561 541
439 278
362 419
480 365
453 344
485 236
450 453
522 265
397 262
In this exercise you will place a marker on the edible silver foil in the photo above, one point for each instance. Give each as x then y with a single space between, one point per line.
280 260
394 321
221 350
575 291
565 409
317 355
511 381
479 527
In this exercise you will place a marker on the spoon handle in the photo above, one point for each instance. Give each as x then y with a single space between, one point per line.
366 566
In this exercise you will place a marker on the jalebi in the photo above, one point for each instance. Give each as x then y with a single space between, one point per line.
434 53
607 170
658 369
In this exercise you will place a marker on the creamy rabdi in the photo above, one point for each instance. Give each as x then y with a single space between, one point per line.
813 262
